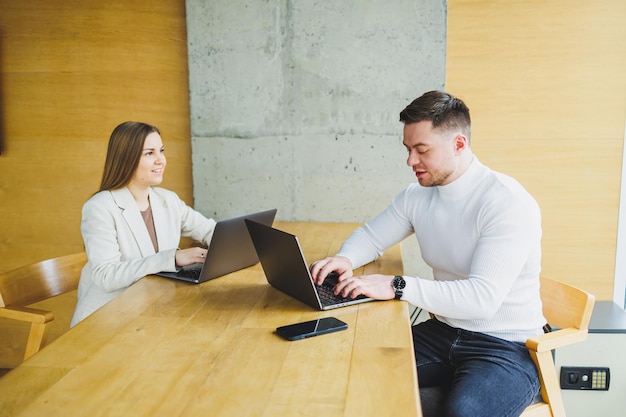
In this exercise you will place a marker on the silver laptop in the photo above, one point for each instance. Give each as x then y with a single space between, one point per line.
286 269
230 250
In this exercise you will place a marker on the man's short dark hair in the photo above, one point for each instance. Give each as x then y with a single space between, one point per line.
442 109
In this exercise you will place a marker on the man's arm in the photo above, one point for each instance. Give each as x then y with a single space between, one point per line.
364 245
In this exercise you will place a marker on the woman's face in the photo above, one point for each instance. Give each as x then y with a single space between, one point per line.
151 166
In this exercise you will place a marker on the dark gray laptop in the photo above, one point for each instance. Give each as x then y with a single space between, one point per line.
286 269
230 250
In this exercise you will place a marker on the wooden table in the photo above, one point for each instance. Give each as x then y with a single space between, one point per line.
165 348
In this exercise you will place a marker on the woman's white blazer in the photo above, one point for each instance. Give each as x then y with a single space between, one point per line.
118 245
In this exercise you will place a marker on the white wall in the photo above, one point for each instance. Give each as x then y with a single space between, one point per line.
294 104
619 287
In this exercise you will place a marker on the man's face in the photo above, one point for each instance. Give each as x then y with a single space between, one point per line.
434 154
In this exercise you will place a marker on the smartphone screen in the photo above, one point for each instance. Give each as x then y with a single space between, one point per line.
311 328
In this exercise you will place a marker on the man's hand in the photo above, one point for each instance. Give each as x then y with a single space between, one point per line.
340 265
373 286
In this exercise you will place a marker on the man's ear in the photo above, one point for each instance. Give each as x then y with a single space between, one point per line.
461 142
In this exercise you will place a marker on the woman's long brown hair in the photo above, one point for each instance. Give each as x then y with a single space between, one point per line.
123 154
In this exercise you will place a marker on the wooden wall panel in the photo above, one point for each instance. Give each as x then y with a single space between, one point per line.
69 73
546 87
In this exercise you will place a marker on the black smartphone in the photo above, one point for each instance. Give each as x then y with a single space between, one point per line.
311 328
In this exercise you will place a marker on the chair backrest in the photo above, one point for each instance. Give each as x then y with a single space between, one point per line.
565 305
32 283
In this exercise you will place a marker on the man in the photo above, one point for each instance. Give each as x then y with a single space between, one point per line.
480 231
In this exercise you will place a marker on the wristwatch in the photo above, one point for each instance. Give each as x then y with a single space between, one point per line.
398 283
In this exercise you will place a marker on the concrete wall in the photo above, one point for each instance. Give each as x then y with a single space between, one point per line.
295 103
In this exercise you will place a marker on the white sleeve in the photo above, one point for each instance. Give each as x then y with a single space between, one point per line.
369 242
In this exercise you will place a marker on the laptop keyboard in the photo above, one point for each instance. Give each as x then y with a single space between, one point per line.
326 294
193 273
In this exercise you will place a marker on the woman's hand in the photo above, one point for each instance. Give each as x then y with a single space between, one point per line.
190 256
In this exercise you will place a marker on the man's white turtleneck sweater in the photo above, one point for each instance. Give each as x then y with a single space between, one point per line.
481 235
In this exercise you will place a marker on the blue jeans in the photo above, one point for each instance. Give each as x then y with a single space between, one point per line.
481 375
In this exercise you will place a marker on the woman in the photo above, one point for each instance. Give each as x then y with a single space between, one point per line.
131 228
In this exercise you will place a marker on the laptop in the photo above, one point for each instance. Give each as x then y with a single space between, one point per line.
286 269
230 250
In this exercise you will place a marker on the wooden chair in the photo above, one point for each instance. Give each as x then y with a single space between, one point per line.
568 310
33 283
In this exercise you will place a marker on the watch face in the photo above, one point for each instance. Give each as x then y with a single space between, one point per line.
398 282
